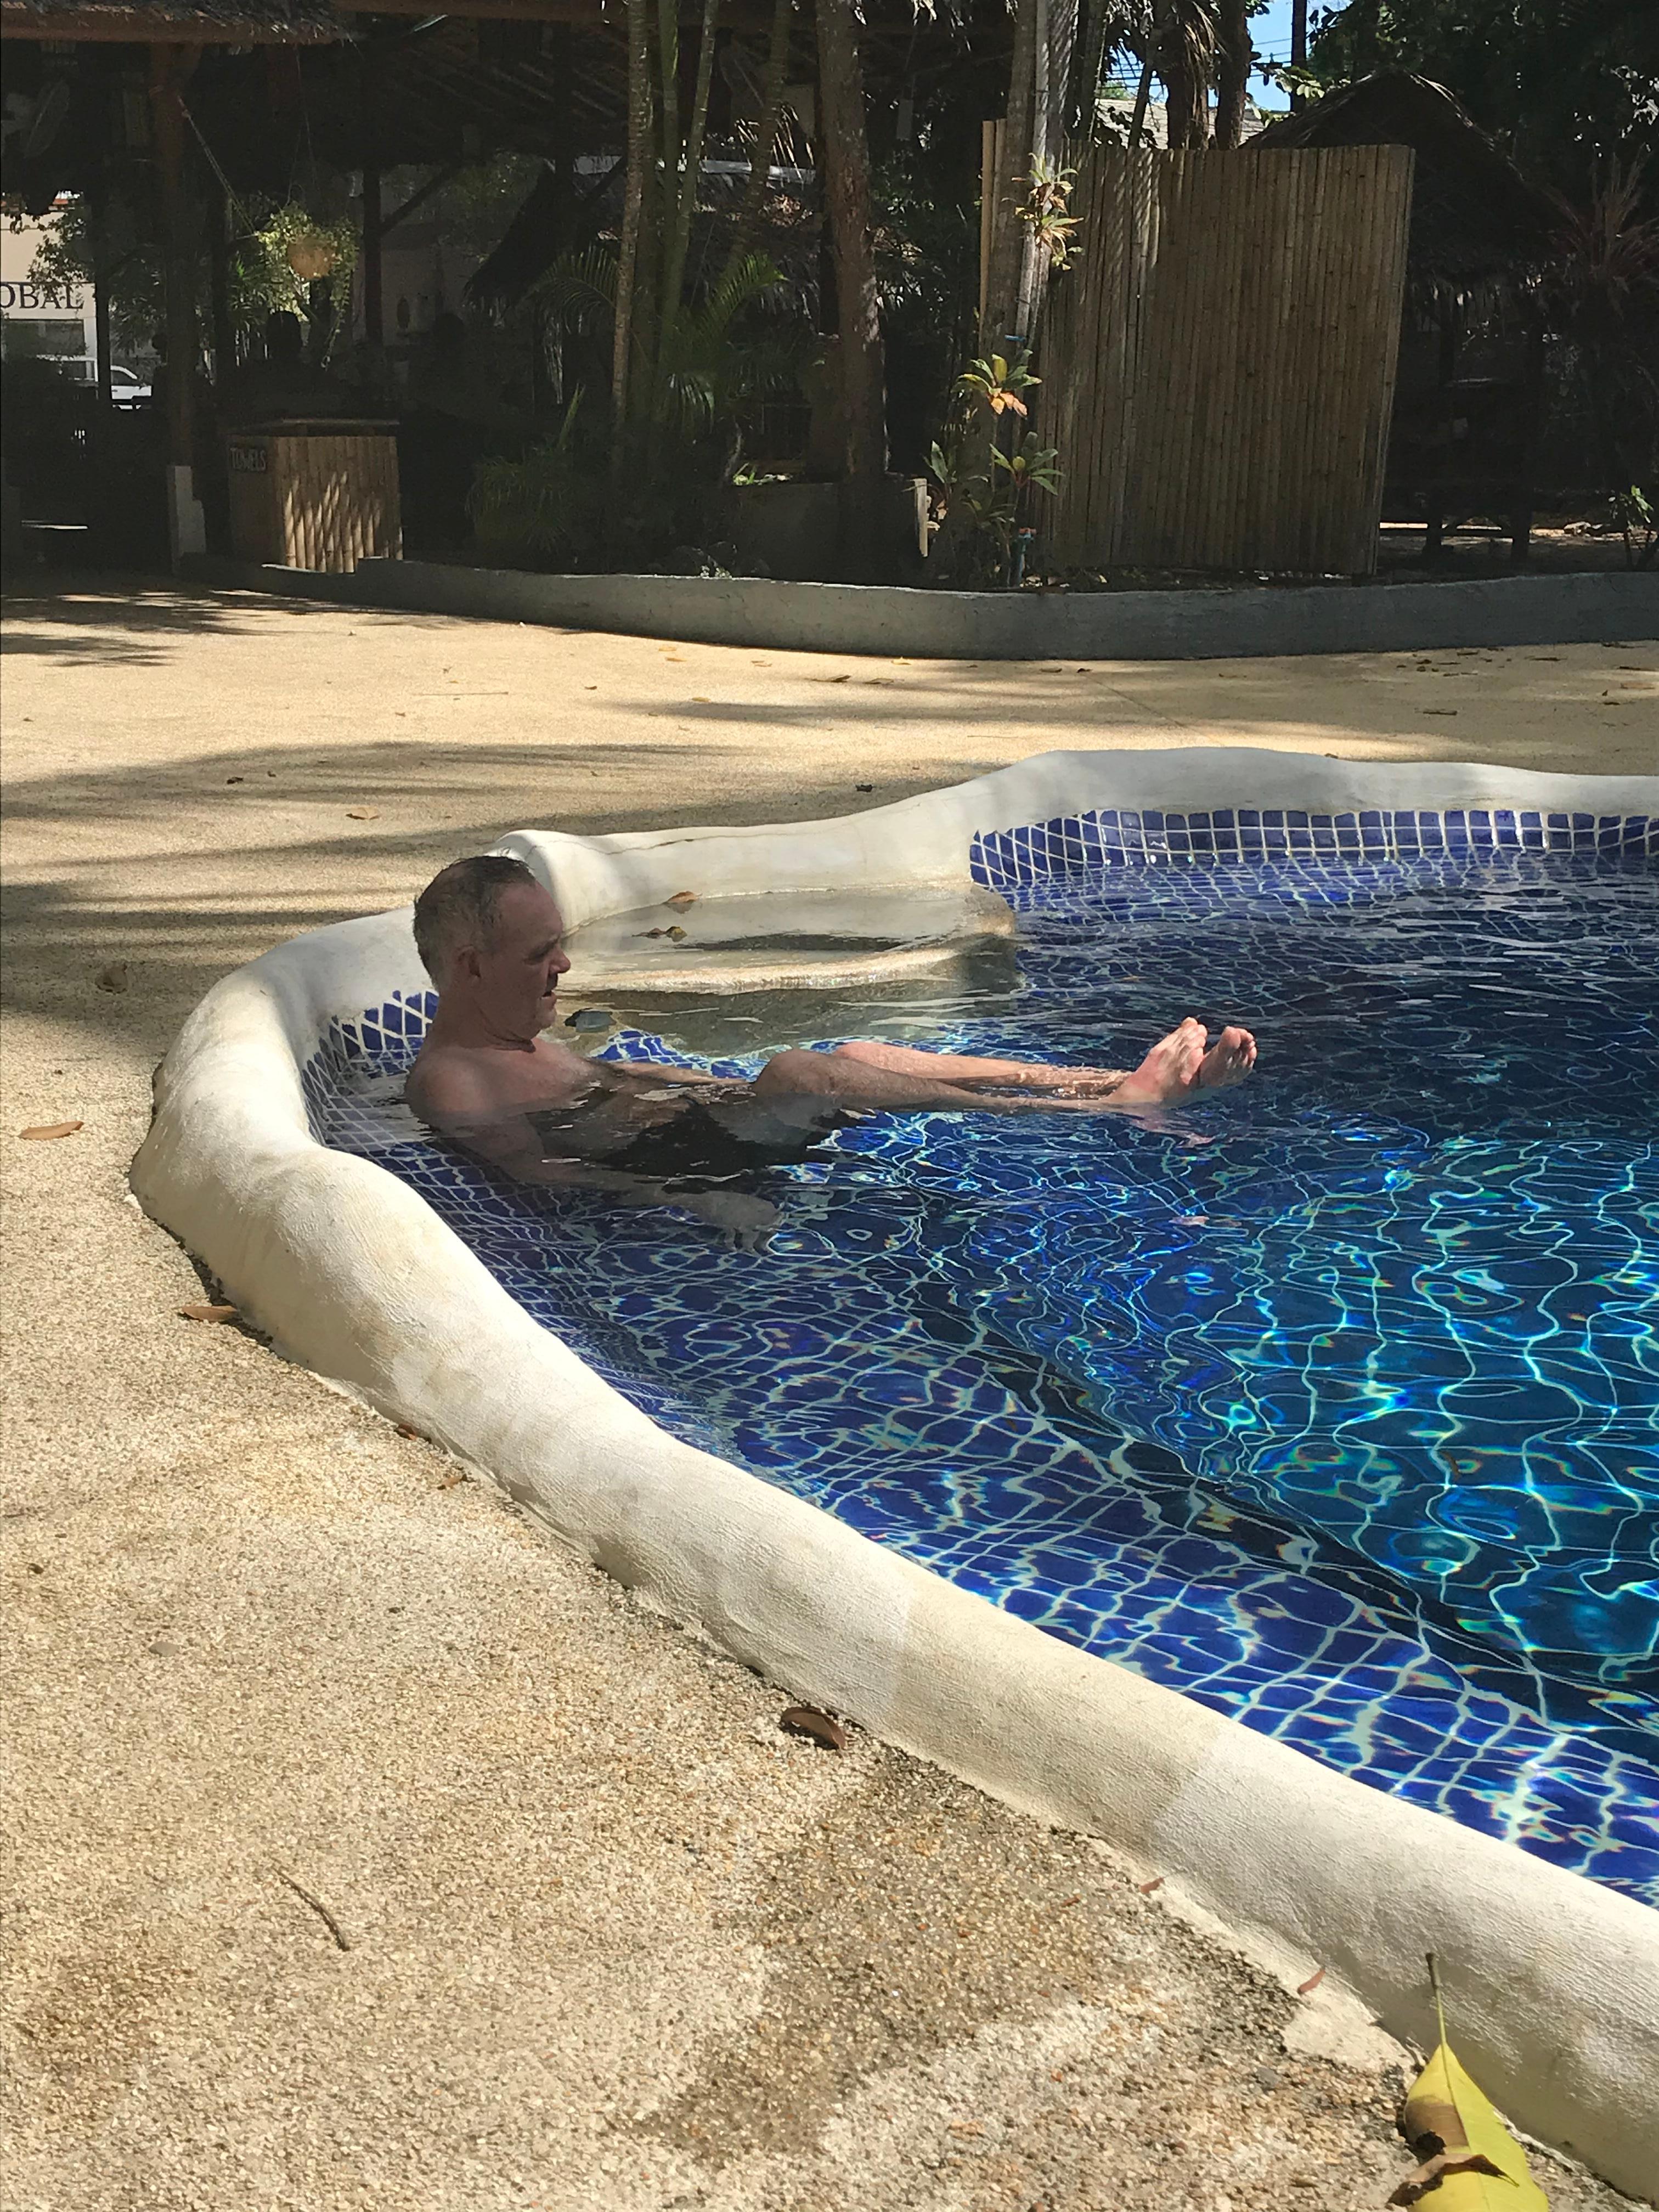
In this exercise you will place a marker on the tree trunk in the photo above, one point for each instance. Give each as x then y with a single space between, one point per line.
1081 115
684 207
668 123
1185 62
1010 239
844 154
1232 83
169 69
1189 108
639 106
766 133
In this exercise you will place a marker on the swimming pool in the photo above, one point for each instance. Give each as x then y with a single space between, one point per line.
1329 1402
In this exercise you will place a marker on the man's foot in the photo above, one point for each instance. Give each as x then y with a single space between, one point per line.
1229 1060
1178 1066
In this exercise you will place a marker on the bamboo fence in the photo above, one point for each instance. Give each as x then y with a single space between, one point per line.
1219 369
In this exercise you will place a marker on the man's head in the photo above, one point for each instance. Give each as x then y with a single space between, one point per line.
489 937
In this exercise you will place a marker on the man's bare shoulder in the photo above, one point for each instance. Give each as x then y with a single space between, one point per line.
448 1080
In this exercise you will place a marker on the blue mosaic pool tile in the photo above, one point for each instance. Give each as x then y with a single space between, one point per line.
1069 844
907 1357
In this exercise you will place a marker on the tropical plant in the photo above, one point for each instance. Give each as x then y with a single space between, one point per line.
643 490
998 382
542 507
1030 467
742 340
987 488
1638 517
1044 214
1601 292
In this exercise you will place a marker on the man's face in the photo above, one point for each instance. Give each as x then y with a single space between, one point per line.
514 977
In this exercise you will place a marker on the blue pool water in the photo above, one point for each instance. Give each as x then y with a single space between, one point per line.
1332 1401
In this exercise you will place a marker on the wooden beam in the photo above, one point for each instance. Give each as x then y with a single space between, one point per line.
591 15
140 27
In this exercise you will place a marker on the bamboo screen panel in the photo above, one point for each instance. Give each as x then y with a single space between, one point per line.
1219 374
339 500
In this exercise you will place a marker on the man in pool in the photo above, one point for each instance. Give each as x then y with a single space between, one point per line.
490 1078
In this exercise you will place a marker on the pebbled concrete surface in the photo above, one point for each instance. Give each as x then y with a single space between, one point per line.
613 1940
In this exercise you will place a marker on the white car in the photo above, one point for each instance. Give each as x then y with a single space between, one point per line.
127 387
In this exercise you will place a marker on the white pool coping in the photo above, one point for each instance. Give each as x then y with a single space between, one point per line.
351 1274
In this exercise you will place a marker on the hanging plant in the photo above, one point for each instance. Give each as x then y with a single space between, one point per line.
310 257
298 247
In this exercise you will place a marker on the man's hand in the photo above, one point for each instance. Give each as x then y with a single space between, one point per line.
748 1218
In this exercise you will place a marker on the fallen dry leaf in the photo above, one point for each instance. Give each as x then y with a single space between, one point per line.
698 700
113 978
209 1313
816 1727
837 679
449 1482
1440 710
1306 1989
1147 1887
362 813
45 1132
404 1429
681 898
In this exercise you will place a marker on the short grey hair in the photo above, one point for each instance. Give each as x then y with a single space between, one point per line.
460 905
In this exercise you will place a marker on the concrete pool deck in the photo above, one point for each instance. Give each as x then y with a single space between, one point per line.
605 1922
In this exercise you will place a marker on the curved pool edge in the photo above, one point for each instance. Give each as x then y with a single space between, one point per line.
352 1275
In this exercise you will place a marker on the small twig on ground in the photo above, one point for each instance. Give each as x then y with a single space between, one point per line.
317 1907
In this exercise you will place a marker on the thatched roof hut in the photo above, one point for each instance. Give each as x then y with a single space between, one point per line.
1475 219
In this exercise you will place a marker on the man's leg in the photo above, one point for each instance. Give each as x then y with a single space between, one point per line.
1169 1070
895 1079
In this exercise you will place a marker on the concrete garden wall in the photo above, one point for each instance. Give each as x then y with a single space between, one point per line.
1173 625
351 1274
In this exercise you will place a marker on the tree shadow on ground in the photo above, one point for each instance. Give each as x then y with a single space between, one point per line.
97 619
184 876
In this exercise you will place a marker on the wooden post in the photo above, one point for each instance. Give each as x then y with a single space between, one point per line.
224 330
1299 47
372 237
373 278
169 67
844 156
100 340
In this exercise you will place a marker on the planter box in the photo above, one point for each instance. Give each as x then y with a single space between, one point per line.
314 495
792 529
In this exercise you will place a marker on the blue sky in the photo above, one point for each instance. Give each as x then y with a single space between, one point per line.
1270 34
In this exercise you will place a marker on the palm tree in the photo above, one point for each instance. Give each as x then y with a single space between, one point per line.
844 154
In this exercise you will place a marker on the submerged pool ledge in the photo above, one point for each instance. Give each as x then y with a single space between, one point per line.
352 1275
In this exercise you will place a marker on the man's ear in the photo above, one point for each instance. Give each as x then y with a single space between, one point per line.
469 963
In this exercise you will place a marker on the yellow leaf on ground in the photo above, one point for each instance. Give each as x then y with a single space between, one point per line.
1470 2160
209 1313
45 1131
